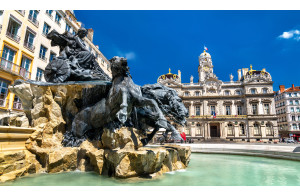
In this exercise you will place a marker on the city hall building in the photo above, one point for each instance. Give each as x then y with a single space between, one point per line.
242 110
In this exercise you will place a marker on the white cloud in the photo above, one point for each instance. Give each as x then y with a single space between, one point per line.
127 55
292 34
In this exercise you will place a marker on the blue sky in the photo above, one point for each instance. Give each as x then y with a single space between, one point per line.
154 41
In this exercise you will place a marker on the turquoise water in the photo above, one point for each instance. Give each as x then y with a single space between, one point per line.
203 170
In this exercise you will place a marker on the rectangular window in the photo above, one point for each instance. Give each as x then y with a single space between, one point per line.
52 55
68 28
49 12
295 94
294 126
197 93
253 91
3 92
298 118
212 110
42 53
291 102
39 74
13 29
17 103
197 110
292 110
29 39
254 109
33 16
25 67
293 118
7 59
290 94
266 108
46 29
297 102
57 18
298 109
265 91
239 110
228 111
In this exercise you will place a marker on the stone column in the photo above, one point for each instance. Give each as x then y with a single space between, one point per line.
208 130
263 130
236 131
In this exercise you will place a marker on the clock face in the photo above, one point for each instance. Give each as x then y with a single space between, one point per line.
206 68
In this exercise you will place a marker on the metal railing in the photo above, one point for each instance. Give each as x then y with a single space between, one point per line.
58 22
49 15
29 46
33 20
13 36
43 57
17 105
14 68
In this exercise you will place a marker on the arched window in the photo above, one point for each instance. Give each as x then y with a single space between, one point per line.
197 93
253 91
186 93
227 93
256 129
242 129
230 129
269 129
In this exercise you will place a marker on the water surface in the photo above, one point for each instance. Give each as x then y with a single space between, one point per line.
203 170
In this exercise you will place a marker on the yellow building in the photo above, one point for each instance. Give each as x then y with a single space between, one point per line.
17 30
25 51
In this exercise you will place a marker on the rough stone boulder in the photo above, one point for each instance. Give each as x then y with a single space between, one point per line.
15 164
121 138
51 109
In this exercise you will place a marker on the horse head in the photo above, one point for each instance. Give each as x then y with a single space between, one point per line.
168 100
119 67
176 107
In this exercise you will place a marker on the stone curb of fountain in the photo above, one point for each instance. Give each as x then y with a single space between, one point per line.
271 151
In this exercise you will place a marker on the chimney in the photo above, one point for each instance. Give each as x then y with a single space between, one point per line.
281 88
239 74
293 87
90 34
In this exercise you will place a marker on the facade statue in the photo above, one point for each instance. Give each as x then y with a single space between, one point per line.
75 62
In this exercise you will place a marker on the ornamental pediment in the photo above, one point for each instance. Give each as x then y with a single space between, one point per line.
239 102
253 101
197 103
212 103
227 102
266 100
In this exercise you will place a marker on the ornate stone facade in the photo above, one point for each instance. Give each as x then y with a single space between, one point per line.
242 110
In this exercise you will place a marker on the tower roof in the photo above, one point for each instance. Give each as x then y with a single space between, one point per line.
205 54
169 76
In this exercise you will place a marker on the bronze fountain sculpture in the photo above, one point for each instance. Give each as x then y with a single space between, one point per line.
125 104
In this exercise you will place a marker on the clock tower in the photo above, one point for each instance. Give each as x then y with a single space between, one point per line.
205 65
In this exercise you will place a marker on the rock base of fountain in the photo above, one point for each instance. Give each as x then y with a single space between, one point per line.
50 109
